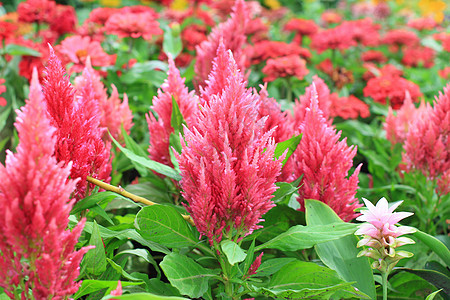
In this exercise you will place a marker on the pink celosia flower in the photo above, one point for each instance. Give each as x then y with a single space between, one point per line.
227 163
2 90
117 291
37 250
75 49
427 146
130 24
160 128
381 235
397 126
232 32
324 162
443 183
114 113
255 265
285 66
78 135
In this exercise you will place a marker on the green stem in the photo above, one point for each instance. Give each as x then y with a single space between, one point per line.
384 282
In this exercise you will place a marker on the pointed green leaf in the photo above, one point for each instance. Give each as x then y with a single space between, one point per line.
95 259
436 245
135 148
290 144
92 200
176 119
172 41
433 295
13 49
186 275
439 280
144 296
233 252
340 255
302 237
153 165
271 266
89 286
165 226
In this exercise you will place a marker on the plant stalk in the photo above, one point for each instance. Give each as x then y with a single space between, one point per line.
384 282
121 191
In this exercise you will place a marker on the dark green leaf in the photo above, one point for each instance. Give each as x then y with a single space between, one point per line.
101 212
439 280
285 189
436 245
271 266
91 201
135 148
340 255
186 275
4 117
89 286
303 237
164 225
153 165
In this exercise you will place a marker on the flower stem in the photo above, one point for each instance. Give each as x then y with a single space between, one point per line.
121 191
384 282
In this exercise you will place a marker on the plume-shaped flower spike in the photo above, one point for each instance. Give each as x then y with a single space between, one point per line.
381 235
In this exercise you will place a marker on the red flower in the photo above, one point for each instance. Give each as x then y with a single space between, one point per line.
339 38
373 71
331 17
78 135
228 177
324 162
285 66
2 90
37 250
257 29
161 128
391 88
400 37
363 31
100 15
418 55
263 50
302 26
28 63
64 19
193 35
133 24
255 265
427 146
76 49
445 73
374 56
39 11
232 32
7 30
348 107
425 23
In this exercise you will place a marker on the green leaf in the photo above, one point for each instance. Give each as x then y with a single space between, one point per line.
186 275
302 237
300 280
92 200
233 252
13 49
176 119
285 189
4 117
164 225
101 212
144 254
146 72
144 296
436 245
439 280
89 286
271 266
122 272
95 259
172 41
153 165
290 144
340 255
432 295
135 148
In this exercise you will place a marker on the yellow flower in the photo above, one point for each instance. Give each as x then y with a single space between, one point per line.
179 5
110 3
434 8
272 4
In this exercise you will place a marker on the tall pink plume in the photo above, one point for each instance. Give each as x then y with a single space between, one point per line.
324 162
78 132
228 178
35 198
232 32
160 128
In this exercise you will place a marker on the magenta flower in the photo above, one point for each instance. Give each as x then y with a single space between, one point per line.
324 162
381 234
37 250
160 128
227 163
232 32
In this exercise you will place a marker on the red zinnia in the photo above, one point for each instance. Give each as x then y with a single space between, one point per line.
418 55
348 107
285 66
36 11
133 24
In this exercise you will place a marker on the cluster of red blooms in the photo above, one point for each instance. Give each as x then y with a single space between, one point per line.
424 133
37 249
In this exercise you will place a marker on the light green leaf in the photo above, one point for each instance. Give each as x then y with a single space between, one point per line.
186 275
95 259
165 226
89 286
233 252
172 41
433 294
92 200
13 49
340 255
144 296
436 245
290 144
302 237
